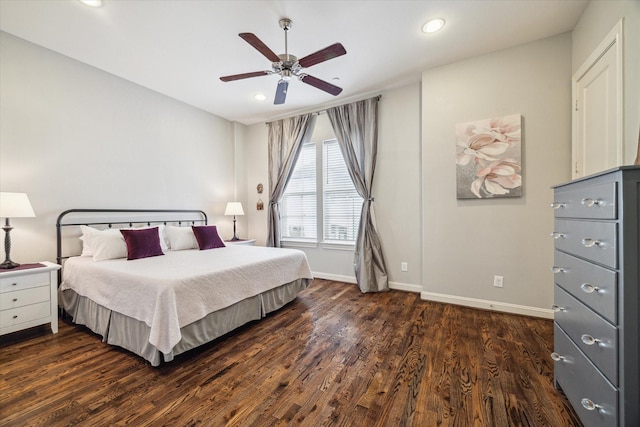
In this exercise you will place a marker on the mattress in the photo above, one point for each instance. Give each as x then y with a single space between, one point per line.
167 293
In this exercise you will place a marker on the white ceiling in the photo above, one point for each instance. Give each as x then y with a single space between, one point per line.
181 48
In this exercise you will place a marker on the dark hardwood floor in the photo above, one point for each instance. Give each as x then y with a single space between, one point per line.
333 357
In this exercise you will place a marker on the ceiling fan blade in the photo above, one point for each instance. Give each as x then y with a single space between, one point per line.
244 76
321 84
281 92
254 41
322 55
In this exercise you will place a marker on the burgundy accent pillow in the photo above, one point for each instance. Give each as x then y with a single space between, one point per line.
142 243
207 236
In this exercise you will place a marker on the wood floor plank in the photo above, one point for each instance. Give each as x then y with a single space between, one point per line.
332 357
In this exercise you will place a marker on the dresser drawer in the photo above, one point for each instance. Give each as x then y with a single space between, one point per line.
14 283
590 202
584 326
25 314
580 380
592 240
595 286
24 297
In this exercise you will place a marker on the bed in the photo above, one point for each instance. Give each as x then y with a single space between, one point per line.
161 305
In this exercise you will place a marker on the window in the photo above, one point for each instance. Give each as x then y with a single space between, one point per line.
298 206
341 202
320 199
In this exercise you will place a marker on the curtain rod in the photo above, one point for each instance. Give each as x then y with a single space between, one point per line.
324 110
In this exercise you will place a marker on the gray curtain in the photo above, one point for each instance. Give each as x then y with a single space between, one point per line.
285 141
356 128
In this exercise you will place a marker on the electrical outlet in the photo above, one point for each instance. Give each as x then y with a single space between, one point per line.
498 281
404 266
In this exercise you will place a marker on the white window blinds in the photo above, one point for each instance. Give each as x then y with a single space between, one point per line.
328 210
341 203
298 206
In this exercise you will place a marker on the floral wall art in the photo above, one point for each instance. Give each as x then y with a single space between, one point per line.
489 158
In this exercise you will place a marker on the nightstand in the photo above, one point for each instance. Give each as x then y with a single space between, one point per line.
29 297
246 242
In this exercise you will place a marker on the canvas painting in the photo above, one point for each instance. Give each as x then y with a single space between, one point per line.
489 158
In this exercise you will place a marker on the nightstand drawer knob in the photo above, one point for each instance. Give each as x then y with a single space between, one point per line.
588 202
556 308
589 243
556 235
589 404
557 270
556 357
589 288
589 340
15 316
15 299
14 284
558 205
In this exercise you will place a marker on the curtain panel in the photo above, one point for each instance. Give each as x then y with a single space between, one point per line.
286 138
356 129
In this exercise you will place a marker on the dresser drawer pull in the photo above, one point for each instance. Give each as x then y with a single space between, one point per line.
15 300
589 340
589 404
589 243
556 235
589 288
556 308
15 316
588 202
557 270
14 284
558 205
556 357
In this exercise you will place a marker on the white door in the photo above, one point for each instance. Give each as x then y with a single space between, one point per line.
597 118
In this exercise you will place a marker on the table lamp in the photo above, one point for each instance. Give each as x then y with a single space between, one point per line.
12 205
234 208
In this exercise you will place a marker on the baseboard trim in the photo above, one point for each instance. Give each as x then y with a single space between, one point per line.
336 277
405 287
488 305
352 279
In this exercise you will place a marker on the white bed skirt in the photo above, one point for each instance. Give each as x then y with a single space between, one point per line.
133 335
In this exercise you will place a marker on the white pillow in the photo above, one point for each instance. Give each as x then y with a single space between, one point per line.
103 244
109 243
180 238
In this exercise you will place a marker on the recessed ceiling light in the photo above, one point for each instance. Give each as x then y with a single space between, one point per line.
433 25
260 97
92 3
336 79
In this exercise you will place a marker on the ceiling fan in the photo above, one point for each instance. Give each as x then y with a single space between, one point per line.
288 66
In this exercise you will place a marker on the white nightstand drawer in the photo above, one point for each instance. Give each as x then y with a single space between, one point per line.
245 242
24 297
25 314
27 280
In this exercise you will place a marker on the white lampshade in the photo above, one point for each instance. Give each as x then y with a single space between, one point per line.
234 208
15 205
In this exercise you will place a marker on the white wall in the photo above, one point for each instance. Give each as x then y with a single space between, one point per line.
467 242
73 136
396 192
596 22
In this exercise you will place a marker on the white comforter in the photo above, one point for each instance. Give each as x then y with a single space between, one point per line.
171 291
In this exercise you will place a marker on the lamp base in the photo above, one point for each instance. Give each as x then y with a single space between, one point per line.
235 239
8 264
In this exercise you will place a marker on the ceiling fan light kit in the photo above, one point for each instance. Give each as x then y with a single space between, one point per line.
288 66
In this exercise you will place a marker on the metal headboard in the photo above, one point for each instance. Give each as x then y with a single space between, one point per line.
109 218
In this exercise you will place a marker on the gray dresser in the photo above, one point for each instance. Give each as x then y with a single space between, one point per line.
596 270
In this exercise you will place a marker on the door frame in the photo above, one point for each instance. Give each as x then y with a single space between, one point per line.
613 40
